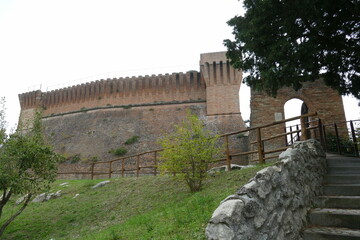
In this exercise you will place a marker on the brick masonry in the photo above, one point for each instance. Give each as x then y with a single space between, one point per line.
91 119
316 95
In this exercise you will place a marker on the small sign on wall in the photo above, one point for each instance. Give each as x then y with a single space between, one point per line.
278 116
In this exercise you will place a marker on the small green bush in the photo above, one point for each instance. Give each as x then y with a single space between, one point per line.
346 145
119 151
74 159
188 152
132 140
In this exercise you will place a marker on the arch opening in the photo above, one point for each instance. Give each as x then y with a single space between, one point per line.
293 108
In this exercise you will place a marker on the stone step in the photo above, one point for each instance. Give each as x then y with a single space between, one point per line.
344 202
343 170
344 179
342 189
332 217
330 233
343 162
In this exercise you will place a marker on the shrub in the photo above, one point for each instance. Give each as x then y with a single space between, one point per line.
346 145
188 151
119 151
132 140
74 159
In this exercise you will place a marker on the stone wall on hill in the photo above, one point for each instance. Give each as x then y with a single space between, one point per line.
273 204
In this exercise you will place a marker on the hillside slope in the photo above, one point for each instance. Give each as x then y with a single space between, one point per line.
127 208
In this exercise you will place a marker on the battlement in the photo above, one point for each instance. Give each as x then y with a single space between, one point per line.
119 91
30 99
222 84
217 83
217 70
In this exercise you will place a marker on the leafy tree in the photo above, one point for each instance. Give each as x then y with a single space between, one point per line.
2 121
27 166
287 42
188 151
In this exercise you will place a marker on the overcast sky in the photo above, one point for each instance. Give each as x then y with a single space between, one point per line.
50 44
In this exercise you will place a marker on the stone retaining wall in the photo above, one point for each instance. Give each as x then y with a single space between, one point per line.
273 204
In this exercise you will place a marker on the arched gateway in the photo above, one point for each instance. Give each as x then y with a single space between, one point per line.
316 95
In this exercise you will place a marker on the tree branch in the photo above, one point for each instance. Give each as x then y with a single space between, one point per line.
2 229
4 200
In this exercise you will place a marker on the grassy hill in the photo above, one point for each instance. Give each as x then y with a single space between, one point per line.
127 208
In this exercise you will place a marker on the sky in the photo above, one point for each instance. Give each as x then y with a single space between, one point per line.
50 44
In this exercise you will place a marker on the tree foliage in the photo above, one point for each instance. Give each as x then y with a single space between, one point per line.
188 151
27 165
287 42
2 121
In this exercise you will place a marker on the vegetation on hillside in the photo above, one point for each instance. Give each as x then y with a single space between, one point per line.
27 166
127 208
188 151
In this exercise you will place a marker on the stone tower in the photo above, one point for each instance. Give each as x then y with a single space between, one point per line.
222 90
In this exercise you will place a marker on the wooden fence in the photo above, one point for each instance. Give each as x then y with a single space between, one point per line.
146 162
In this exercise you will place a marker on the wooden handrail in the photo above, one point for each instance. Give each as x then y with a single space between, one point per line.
228 156
332 124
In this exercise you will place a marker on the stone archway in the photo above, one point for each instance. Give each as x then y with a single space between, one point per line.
317 96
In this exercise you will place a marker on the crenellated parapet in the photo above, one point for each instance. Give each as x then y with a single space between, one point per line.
119 91
222 84
216 70
30 99
217 84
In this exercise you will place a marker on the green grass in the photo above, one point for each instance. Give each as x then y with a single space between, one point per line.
128 208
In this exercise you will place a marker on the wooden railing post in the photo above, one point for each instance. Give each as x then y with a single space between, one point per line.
92 171
321 133
228 159
297 132
155 162
122 167
354 139
110 168
260 146
137 165
337 138
304 135
325 139
291 135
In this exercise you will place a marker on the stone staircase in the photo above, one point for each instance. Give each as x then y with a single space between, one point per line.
337 213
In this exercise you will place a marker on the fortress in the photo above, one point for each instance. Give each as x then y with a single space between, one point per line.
93 118
90 120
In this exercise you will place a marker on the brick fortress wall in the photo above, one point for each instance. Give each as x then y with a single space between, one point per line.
92 118
177 87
